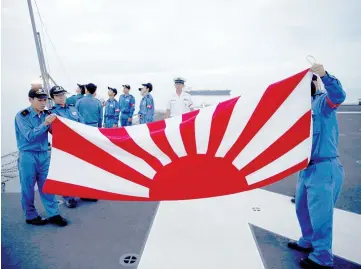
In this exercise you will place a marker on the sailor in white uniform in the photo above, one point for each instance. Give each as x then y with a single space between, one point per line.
180 101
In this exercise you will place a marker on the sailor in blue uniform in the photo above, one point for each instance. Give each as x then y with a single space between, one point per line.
90 108
127 107
146 107
57 93
111 114
31 128
319 185
71 101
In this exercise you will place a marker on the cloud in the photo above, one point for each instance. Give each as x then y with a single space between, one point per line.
238 45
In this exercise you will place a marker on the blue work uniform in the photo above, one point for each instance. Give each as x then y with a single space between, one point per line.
319 185
127 108
111 113
71 113
34 161
71 101
146 109
91 110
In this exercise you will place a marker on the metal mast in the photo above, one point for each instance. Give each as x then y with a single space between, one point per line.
39 49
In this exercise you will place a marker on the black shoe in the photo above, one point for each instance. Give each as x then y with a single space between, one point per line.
295 246
58 220
89 200
37 221
71 203
307 263
293 200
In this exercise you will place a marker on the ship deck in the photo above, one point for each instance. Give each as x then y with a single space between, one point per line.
101 234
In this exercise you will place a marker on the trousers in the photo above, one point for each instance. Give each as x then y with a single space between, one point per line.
317 191
124 120
109 122
33 168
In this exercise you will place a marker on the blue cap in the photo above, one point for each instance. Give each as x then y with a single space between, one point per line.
149 86
114 90
40 93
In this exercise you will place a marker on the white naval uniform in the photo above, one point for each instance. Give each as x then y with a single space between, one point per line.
180 104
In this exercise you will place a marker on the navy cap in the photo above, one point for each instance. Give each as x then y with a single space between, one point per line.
148 85
56 90
126 86
81 86
37 93
113 89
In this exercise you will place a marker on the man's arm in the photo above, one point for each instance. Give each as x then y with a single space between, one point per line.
132 106
191 104
100 120
30 133
149 108
335 94
117 112
167 112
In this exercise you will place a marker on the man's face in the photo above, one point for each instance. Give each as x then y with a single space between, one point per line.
111 94
38 104
78 90
60 98
144 90
179 87
125 90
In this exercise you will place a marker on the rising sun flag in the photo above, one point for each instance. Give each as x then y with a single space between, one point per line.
240 144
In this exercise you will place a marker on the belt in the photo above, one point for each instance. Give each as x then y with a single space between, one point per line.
320 160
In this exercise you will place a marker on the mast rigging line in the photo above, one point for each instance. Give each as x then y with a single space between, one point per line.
51 42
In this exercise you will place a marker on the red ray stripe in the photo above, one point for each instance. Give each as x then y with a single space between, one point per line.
71 142
160 139
66 189
187 130
121 138
219 124
279 176
272 99
295 135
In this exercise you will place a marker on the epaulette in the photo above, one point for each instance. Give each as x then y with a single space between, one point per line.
25 112
47 111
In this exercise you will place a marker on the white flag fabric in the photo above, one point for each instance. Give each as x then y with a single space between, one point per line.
240 144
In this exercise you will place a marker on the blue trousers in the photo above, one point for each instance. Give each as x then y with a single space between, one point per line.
318 188
33 168
109 122
124 121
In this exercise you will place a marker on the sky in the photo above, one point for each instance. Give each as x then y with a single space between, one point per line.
214 44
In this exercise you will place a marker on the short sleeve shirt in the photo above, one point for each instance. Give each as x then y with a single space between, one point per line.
180 104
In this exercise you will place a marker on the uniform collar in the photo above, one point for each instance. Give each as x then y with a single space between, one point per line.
89 95
33 112
57 106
